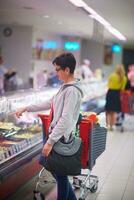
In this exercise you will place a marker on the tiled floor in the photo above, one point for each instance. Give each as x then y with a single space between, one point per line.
115 168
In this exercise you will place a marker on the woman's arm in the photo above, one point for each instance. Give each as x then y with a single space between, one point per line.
34 108
39 107
20 111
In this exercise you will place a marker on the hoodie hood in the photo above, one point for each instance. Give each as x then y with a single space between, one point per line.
76 83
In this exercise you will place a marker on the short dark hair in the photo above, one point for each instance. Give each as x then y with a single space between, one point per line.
65 60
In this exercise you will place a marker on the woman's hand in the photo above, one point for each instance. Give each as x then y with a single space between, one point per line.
20 111
46 149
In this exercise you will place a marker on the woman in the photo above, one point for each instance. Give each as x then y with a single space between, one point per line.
66 106
116 82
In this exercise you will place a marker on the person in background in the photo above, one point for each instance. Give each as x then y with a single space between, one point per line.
45 74
116 82
9 82
66 107
12 80
42 78
86 72
53 79
31 78
3 71
130 75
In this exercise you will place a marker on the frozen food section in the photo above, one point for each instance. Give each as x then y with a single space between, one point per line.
21 139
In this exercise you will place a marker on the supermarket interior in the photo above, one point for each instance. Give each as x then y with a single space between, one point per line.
100 36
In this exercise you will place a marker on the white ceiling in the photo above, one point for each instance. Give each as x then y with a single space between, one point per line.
67 19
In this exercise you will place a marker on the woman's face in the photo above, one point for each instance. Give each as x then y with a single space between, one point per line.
62 73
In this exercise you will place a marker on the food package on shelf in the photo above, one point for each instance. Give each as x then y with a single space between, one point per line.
8 126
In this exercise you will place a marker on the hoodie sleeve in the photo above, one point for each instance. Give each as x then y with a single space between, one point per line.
39 107
69 115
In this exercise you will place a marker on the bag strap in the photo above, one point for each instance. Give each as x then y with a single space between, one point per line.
66 86
69 85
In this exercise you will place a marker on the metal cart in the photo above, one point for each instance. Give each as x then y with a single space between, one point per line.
94 144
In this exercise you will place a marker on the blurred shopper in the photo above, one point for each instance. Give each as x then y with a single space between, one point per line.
66 107
31 78
42 78
3 70
86 72
53 79
12 81
45 74
116 82
130 75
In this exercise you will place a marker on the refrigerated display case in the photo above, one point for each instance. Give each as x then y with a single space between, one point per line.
21 139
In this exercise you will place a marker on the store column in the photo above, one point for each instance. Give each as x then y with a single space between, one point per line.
16 48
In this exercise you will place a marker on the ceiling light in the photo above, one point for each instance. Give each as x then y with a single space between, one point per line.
116 33
100 19
93 14
46 16
60 22
78 3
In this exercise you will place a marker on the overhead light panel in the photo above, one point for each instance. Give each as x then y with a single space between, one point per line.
78 3
116 33
46 16
100 19
60 22
93 14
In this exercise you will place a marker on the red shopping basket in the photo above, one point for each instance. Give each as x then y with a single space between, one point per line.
127 101
45 122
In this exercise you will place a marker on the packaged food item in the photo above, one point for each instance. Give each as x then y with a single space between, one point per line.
91 116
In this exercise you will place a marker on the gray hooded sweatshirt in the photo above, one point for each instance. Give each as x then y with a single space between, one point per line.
66 108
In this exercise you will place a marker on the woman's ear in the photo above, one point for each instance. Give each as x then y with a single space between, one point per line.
68 70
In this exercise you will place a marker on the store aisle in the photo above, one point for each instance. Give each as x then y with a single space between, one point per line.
115 168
